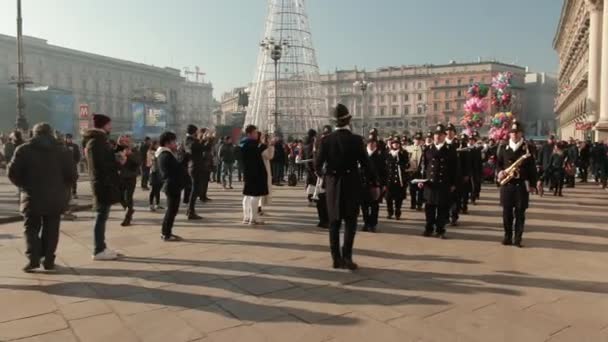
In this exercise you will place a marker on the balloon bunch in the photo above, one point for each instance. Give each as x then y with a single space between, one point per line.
475 106
502 118
501 84
499 133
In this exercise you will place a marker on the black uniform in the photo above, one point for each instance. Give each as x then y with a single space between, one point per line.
465 185
455 196
371 206
476 172
194 152
341 152
439 166
514 196
396 182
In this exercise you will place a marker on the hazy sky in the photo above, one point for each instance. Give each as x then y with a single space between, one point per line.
222 36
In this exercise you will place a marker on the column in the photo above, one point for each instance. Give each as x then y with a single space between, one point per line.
602 125
595 55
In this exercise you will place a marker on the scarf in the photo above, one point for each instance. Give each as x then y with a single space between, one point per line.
440 146
515 146
163 149
370 152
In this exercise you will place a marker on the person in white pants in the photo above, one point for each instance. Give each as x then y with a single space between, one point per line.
255 175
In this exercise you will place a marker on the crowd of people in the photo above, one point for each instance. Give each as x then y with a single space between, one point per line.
344 175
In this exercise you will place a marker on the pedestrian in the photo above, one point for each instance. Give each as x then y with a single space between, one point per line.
145 168
173 177
238 156
278 162
255 175
370 204
342 152
321 197
544 156
103 174
439 169
415 154
193 149
156 181
75 150
128 172
476 166
226 157
556 170
515 194
207 139
45 173
584 160
397 162
307 156
267 156
572 160
464 186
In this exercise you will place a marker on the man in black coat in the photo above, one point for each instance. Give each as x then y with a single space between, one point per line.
44 172
544 155
343 152
278 162
255 176
371 206
193 149
173 176
319 188
583 160
397 162
515 194
226 157
439 167
453 143
465 184
75 150
476 166
103 173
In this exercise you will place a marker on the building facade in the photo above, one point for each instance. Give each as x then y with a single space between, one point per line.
233 107
540 96
581 42
412 98
108 85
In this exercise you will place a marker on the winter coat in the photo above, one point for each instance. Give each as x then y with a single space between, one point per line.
254 171
397 182
227 154
267 155
103 168
44 171
130 169
172 173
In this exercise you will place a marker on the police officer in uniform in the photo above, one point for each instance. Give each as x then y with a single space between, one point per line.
465 186
415 153
453 144
343 152
477 165
439 168
515 195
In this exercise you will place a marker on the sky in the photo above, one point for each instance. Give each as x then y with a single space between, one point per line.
222 36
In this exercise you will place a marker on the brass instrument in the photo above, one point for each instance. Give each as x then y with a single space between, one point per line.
513 171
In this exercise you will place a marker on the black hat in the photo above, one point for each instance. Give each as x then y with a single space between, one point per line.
418 136
516 127
450 127
475 135
340 112
440 129
191 129
429 134
396 141
312 133
464 137
100 120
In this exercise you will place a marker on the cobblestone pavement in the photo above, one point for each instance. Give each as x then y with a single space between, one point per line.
231 282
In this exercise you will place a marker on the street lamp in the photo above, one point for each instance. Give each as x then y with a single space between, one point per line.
21 121
363 85
275 49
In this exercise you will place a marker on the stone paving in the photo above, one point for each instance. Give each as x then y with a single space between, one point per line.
230 282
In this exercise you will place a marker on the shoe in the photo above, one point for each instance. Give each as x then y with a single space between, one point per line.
338 264
194 217
152 208
126 222
507 241
365 229
257 223
474 202
427 233
398 217
30 268
49 266
246 222
441 236
207 199
158 207
373 229
453 223
323 225
349 264
170 238
518 244
230 187
418 208
106 254
389 217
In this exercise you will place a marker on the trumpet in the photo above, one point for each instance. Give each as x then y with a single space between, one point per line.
512 171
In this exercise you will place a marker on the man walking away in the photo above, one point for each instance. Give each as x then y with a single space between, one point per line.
173 176
255 177
45 173
103 173
227 160
343 151
145 168
75 150
194 152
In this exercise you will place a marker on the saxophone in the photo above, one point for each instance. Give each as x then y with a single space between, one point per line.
513 171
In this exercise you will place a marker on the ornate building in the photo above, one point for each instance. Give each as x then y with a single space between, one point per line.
582 44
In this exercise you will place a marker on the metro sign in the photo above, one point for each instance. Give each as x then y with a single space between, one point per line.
84 111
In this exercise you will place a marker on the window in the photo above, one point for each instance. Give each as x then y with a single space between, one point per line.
393 86
436 94
436 82
435 106
382 111
483 79
460 93
447 94
406 110
447 106
406 98
447 82
382 98
459 81
419 97
405 85
394 111
471 80
382 87
394 98
419 85
420 109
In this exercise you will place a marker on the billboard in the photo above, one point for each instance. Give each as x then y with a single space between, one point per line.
149 119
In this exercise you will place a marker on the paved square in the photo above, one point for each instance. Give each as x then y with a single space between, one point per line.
231 282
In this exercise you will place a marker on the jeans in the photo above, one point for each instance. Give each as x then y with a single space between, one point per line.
169 219
126 192
145 176
154 196
227 172
41 245
101 217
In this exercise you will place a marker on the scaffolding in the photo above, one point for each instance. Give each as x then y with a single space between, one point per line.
286 95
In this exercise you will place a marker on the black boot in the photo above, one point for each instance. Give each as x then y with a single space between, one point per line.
128 217
508 239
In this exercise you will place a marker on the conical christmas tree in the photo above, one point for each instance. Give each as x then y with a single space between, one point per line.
286 94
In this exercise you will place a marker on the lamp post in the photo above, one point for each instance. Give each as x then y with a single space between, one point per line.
363 85
21 121
275 49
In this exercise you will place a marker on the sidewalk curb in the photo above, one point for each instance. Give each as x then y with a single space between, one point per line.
18 218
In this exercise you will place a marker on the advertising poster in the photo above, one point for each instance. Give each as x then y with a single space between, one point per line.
137 109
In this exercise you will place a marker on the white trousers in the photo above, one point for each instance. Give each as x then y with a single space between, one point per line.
250 208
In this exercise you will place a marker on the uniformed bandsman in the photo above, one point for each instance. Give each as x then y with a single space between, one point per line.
398 162
515 194
371 206
438 167
477 165
415 153
464 186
